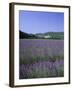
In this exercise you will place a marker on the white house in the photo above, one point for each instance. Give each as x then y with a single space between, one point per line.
48 36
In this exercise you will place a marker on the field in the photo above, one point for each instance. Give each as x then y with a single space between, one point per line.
41 58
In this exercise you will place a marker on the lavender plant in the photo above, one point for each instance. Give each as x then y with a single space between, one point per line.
41 58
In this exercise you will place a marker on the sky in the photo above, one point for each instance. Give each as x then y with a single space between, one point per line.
41 22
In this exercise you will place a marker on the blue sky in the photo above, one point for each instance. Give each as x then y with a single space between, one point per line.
41 22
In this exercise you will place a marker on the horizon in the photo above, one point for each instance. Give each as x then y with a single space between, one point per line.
42 33
34 22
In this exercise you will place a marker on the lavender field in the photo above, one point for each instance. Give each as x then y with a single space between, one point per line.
41 58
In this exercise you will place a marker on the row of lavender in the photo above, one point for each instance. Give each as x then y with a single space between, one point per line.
41 58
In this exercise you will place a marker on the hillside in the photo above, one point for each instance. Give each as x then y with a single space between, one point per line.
47 35
51 35
23 35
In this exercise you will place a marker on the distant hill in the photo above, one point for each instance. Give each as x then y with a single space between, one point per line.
47 35
23 35
51 35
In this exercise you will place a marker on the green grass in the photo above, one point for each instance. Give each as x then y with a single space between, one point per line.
31 59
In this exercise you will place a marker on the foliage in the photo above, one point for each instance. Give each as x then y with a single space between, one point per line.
53 35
